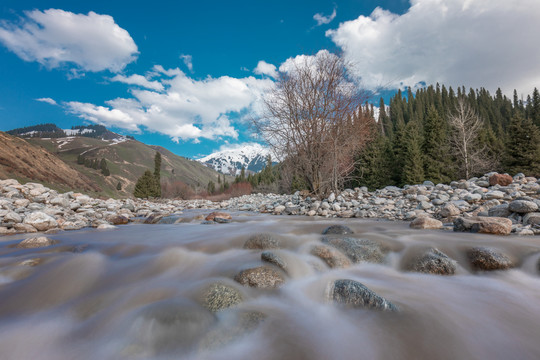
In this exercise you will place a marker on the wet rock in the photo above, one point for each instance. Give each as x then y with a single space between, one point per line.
40 221
105 227
262 241
425 223
500 179
358 250
213 216
499 211
153 219
220 220
220 296
354 294
532 218
118 220
273 258
484 224
449 210
12 217
260 277
337 230
331 256
24 228
522 206
31 262
5 231
171 219
36 242
434 262
488 259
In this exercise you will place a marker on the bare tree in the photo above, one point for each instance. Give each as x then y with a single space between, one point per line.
313 118
466 126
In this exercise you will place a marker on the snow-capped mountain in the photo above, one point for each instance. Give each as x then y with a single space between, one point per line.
230 161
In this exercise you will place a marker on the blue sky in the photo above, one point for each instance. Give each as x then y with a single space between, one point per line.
186 75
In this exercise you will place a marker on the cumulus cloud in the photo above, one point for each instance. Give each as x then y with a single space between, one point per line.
139 80
188 60
481 43
264 68
321 19
187 109
56 37
47 100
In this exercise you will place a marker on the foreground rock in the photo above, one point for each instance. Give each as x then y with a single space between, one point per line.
262 241
36 242
433 262
358 250
426 223
337 230
354 294
488 259
331 256
217 216
219 296
484 224
274 259
40 221
260 277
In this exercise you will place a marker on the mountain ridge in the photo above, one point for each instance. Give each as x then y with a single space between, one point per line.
252 156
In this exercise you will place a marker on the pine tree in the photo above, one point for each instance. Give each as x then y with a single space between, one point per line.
211 187
80 159
375 165
119 186
435 148
413 166
535 107
157 174
523 147
104 168
145 186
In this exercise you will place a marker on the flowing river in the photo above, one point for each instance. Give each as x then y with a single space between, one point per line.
135 293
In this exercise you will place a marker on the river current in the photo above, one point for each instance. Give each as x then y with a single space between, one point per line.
135 292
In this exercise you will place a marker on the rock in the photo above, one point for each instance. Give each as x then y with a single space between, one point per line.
40 221
522 206
532 218
499 211
105 227
490 195
358 250
5 231
153 219
213 216
12 217
354 294
449 210
24 228
425 223
279 209
262 241
118 220
488 259
500 179
434 262
483 224
220 220
337 230
331 198
36 242
220 296
331 256
260 277
273 258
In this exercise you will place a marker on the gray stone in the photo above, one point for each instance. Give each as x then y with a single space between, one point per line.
522 206
488 259
331 256
358 250
36 242
337 230
483 224
449 210
262 241
532 218
434 262
40 221
260 277
12 217
273 258
425 223
354 294
499 211
220 296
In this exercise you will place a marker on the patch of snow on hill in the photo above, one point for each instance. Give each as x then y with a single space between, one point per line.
230 160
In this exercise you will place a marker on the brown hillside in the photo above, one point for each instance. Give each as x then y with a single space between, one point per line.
19 159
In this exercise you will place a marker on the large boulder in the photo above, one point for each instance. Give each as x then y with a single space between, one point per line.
358 250
220 296
41 221
262 241
500 179
331 256
488 259
36 242
354 294
484 224
433 262
532 218
522 206
260 277
499 211
425 222
449 210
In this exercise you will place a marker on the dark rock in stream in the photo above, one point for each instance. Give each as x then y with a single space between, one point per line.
484 224
153 219
352 293
337 230
273 258
36 242
171 219
331 256
262 241
260 277
219 296
118 220
434 262
358 250
488 259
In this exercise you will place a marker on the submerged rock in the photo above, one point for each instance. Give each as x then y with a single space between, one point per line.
358 250
36 242
262 241
354 294
214 216
337 230
331 256
260 277
488 259
484 224
220 296
425 223
273 258
434 262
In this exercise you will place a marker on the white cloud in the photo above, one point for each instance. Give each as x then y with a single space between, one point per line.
47 100
56 37
321 19
139 80
188 60
264 68
186 109
481 43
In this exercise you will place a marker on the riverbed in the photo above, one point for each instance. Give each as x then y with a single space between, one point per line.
135 292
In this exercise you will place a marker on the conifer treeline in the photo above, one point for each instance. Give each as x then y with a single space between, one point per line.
416 138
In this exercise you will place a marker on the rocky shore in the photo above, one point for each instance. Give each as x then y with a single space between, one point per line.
494 203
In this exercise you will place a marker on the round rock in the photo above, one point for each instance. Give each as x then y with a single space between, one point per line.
434 262
337 230
354 294
488 259
331 256
273 258
262 241
358 250
219 296
260 277
36 242
522 206
425 222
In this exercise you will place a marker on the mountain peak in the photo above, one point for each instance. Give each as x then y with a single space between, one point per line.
230 161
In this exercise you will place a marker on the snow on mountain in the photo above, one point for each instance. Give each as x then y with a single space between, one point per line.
231 160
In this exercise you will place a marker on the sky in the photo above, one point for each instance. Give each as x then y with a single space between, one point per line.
188 75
